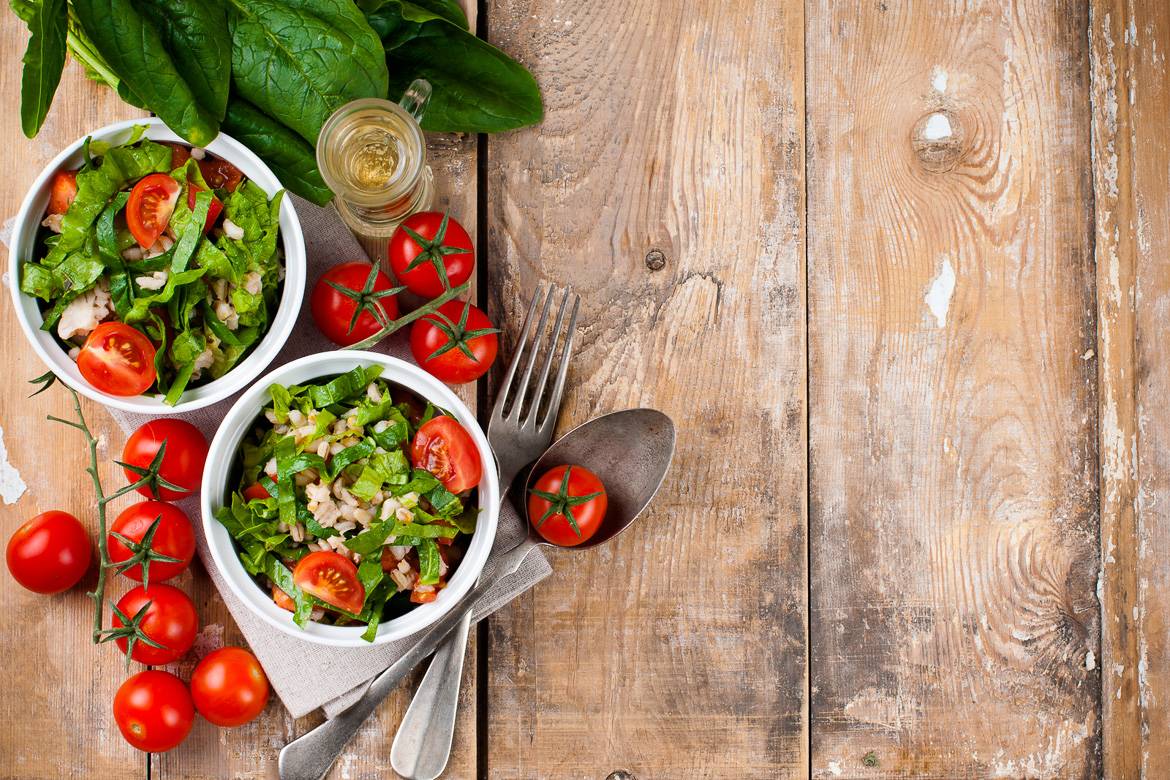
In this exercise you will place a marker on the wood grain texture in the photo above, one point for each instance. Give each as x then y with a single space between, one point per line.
1131 164
678 650
953 515
56 704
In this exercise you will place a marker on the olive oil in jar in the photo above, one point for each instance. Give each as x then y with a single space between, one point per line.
372 155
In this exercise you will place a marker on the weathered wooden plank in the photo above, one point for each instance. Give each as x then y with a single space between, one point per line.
56 707
953 516
1131 151
678 649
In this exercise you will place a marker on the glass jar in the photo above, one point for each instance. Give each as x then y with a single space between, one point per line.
372 154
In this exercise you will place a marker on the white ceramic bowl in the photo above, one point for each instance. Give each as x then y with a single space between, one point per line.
46 346
216 492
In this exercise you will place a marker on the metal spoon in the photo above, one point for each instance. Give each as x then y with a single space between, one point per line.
629 450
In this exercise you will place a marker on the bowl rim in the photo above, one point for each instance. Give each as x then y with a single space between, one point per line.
222 452
28 219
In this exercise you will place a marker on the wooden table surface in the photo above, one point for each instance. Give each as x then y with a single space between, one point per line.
909 313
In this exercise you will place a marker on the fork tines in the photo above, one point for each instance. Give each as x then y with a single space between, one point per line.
518 404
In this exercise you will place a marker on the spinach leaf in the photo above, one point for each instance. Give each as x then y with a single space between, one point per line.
291 158
300 60
135 50
195 33
477 88
44 59
428 562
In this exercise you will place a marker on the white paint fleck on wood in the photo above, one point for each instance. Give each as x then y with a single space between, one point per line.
938 297
12 487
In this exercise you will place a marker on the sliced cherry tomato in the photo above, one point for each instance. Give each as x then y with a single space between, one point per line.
62 191
255 492
283 600
439 242
332 578
117 359
180 153
443 447
182 463
220 174
456 344
170 620
213 210
50 553
154 711
152 201
568 511
333 308
423 596
173 538
229 687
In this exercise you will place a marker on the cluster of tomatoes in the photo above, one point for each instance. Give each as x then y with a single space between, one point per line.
149 542
430 254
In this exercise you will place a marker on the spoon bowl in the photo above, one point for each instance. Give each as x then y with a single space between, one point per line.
630 451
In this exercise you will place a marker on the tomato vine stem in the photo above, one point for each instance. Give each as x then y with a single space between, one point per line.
150 477
389 327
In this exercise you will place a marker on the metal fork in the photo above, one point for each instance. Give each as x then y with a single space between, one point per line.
422 745
520 429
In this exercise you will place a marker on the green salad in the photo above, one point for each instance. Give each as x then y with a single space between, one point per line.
158 268
354 499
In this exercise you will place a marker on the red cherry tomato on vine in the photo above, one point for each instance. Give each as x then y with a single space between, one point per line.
443 447
438 242
173 538
117 359
49 553
456 344
182 463
229 687
333 308
567 513
170 620
154 711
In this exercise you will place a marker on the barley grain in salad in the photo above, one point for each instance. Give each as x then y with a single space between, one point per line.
341 507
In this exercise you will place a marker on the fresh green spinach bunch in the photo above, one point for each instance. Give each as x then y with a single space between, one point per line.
270 72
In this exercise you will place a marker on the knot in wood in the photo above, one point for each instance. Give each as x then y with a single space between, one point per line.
655 259
620 774
937 140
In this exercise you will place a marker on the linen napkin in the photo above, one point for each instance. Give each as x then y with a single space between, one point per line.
305 675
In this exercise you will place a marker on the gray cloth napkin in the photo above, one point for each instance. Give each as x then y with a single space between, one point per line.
305 675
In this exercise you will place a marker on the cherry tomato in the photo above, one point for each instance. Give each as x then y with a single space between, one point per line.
170 620
438 241
423 596
445 449
117 359
552 501
333 309
332 578
220 174
154 711
180 153
182 463
62 191
229 687
438 341
283 600
152 201
256 491
214 209
49 553
173 538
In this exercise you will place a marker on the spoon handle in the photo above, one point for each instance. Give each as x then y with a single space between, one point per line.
309 756
422 745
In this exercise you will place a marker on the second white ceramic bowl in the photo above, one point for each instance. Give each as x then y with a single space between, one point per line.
216 493
23 248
